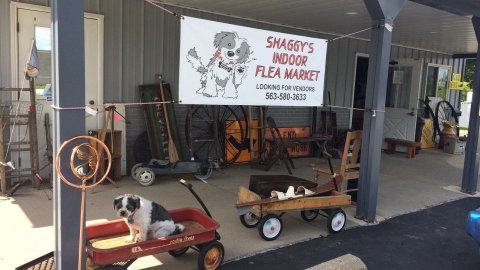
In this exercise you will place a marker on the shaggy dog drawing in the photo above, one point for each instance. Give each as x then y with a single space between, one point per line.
226 69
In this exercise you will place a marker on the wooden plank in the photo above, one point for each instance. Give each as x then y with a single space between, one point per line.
245 195
308 203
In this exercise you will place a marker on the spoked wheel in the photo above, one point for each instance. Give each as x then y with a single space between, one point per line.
444 112
270 227
216 132
211 256
336 220
309 215
178 252
249 220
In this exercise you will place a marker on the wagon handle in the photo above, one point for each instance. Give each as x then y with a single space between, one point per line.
189 186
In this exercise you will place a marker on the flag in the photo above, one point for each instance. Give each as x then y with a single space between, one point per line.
32 69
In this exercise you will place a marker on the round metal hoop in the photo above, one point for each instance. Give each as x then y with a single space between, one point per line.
92 152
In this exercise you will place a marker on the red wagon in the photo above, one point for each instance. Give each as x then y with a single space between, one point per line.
107 249
106 246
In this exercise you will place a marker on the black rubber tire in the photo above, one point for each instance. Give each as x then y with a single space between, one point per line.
178 252
309 215
249 220
134 170
211 256
276 227
336 221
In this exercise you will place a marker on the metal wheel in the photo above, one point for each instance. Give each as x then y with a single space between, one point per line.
145 177
270 227
204 174
249 220
178 252
216 132
135 169
211 256
336 221
444 112
309 215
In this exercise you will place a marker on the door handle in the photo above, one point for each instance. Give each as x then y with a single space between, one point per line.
411 113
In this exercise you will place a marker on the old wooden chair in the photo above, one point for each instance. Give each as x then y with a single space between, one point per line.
349 165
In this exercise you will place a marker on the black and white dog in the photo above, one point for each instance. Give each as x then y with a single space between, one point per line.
226 69
145 219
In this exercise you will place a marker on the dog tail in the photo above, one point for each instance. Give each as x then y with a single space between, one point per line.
195 61
178 228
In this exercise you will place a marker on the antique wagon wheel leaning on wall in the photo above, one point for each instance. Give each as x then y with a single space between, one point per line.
86 154
216 132
445 114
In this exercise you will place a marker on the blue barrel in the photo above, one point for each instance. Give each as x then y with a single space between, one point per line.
473 225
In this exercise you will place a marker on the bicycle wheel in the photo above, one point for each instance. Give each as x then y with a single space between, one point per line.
444 112
216 132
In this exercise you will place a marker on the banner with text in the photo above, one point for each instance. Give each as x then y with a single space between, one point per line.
225 64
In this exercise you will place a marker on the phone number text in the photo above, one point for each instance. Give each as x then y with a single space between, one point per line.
285 96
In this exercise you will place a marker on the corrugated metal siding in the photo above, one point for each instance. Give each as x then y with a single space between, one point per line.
142 40
5 73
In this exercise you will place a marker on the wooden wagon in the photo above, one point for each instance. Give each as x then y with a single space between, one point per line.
256 207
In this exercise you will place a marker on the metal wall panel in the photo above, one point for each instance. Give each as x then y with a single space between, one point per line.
5 71
142 40
113 53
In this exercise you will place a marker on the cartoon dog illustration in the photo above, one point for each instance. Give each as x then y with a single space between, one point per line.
226 69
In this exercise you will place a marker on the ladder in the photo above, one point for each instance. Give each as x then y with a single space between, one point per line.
15 115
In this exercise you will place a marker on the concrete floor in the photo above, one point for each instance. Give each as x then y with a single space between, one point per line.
405 185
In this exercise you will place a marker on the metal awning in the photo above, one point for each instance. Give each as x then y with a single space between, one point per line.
443 26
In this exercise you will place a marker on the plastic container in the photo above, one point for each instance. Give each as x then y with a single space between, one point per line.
453 145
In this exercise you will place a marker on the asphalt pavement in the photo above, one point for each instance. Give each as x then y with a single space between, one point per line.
433 238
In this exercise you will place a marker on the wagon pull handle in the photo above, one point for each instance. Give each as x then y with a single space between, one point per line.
186 184
189 186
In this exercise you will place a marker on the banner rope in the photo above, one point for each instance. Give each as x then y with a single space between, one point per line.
158 5
109 104
357 32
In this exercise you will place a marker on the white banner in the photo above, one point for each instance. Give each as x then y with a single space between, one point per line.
225 64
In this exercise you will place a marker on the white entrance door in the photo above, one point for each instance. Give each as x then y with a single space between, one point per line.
34 22
401 103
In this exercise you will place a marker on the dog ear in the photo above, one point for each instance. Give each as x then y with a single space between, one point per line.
245 52
219 37
137 202
116 201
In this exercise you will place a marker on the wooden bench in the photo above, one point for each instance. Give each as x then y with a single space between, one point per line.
392 143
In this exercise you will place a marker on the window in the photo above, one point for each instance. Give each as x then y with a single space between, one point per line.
437 79
44 49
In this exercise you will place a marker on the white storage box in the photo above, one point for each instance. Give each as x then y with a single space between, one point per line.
453 145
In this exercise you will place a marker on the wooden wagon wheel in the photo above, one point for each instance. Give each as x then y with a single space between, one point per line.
216 132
